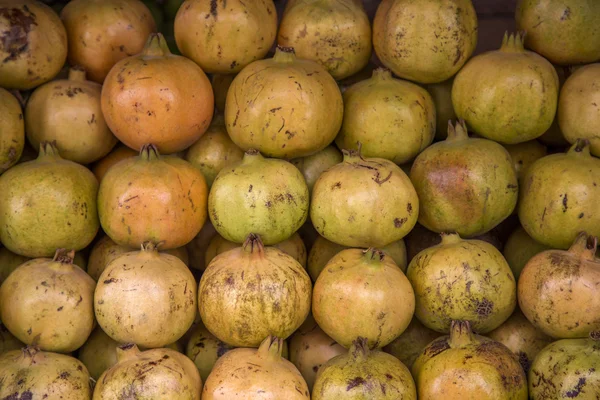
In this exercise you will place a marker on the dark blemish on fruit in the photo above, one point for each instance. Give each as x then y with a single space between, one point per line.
409 208
15 40
352 383
111 280
564 202
484 307
398 222
580 215
575 392
437 347
213 8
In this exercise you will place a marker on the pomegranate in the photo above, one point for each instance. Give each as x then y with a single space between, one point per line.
220 85
49 303
425 41
363 293
120 152
223 37
390 118
204 349
8 342
284 107
12 139
259 195
152 198
336 34
364 374
244 373
198 246
34 44
157 97
519 249
9 261
250 291
524 154
441 94
409 345
98 353
124 311
314 165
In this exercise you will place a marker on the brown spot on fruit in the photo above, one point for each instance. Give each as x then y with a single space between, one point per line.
354 382
484 307
15 40
398 222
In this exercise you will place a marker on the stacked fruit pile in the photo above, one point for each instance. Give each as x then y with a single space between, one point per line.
368 211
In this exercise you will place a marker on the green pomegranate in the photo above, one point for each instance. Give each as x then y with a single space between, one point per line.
507 95
8 341
464 365
314 165
409 345
285 107
265 196
204 349
363 374
9 261
98 353
465 185
338 211
559 197
524 154
563 31
441 94
47 204
518 250
12 128
390 118
426 41
578 117
521 337
362 293
566 369
557 290
323 250
462 279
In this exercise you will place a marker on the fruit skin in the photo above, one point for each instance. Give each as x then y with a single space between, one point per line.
462 279
479 186
214 151
120 152
391 118
32 374
220 85
168 375
559 197
9 261
362 293
198 246
12 139
337 34
425 55
129 316
58 318
204 349
223 37
242 373
564 32
8 341
314 165
410 344
265 196
524 154
139 108
521 337
441 94
578 117
337 205
362 374
284 106
98 353
519 249
95 47
34 44
566 369
247 292
47 204
464 365
557 290
68 111
152 198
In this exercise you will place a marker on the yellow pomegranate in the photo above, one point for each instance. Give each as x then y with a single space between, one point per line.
120 152
12 139
410 344
524 154
314 165
98 353
518 250
204 349
9 261
441 94
8 341
34 44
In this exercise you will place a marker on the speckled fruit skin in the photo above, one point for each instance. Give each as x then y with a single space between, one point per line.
363 293
410 344
222 37
49 303
362 374
314 165
578 106
464 365
508 95
559 197
566 32
284 106
265 196
204 349
524 154
337 208
464 185
252 290
391 118
335 33
127 315
152 198
557 290
12 139
462 279
157 97
32 374
518 250
168 375
34 44
425 55
47 204
566 369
